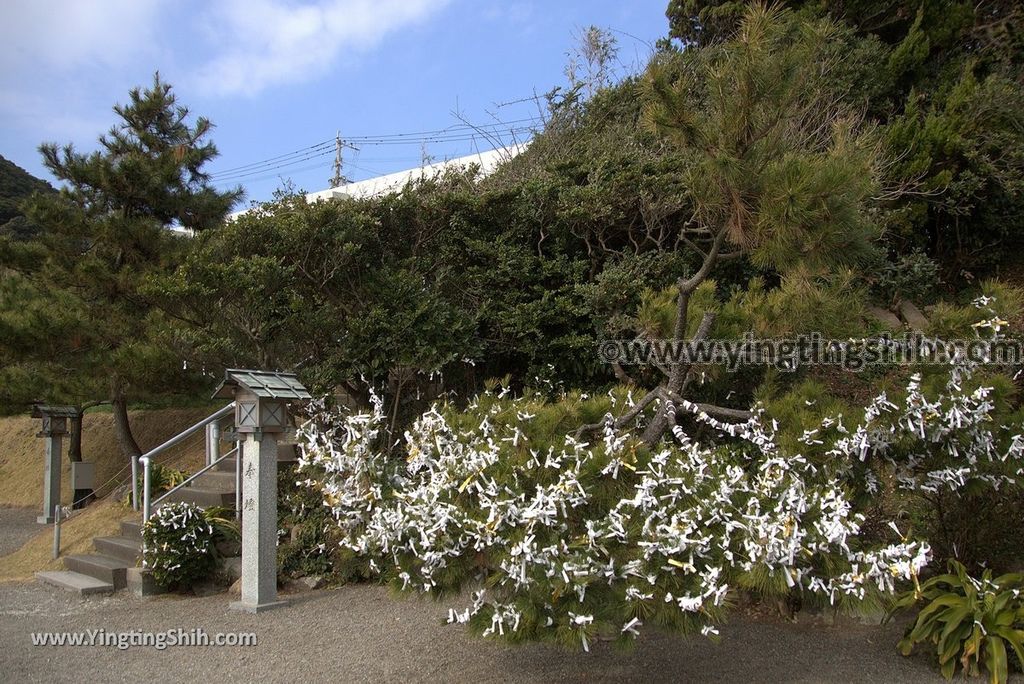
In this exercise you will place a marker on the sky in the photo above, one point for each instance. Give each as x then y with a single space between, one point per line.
280 79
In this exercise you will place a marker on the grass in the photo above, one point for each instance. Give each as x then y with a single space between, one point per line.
101 519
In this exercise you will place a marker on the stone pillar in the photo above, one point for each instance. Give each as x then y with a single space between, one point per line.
51 475
259 523
262 401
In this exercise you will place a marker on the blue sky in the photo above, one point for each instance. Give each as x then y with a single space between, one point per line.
277 76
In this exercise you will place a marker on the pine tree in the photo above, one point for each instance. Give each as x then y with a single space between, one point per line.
101 238
776 170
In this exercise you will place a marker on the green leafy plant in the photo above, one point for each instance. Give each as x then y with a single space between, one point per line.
180 543
308 542
913 276
225 527
161 479
970 621
305 548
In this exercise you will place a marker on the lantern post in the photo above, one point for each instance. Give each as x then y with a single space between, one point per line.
262 402
54 427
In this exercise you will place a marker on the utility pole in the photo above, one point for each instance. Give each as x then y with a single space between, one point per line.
337 180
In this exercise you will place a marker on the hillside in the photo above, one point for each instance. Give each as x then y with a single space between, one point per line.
21 452
15 185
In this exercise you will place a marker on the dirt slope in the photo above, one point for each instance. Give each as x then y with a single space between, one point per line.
21 452
101 519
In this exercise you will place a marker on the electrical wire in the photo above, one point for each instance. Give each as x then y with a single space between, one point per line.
456 133
248 175
272 159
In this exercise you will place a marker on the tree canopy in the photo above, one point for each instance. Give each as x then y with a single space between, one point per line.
82 328
943 81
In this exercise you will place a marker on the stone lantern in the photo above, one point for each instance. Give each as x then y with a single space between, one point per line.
54 427
261 414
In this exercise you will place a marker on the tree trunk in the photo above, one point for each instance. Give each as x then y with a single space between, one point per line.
125 438
75 441
664 418
677 376
83 496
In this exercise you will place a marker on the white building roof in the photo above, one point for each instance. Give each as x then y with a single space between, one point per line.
394 182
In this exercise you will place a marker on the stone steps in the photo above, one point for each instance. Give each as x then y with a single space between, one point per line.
108 569
70 580
215 479
225 466
119 547
203 497
131 529
114 563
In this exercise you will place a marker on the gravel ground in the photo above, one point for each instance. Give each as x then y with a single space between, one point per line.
361 633
17 526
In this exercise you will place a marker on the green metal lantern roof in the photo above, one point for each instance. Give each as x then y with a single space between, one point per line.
267 384
40 410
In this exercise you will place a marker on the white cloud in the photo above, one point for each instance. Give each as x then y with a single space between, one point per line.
63 63
27 111
65 35
272 42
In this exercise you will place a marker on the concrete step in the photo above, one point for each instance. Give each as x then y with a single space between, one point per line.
289 460
202 497
104 568
218 480
75 581
131 529
225 466
119 547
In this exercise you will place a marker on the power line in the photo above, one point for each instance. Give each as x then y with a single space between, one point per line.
322 165
326 165
271 159
329 151
456 133
263 169
449 130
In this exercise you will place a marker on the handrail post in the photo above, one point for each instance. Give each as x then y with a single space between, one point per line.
145 489
56 532
187 432
135 482
177 439
212 442
187 481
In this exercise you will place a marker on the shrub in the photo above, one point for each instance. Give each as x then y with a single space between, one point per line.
952 446
568 540
970 621
179 544
310 542
912 276
943 453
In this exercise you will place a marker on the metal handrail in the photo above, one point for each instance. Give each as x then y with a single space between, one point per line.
192 477
168 444
147 505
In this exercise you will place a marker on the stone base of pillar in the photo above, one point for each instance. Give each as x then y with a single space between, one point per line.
45 519
242 607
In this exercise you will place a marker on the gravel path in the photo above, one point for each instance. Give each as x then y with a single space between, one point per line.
17 526
361 633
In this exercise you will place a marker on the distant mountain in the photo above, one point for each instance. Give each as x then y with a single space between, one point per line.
15 185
